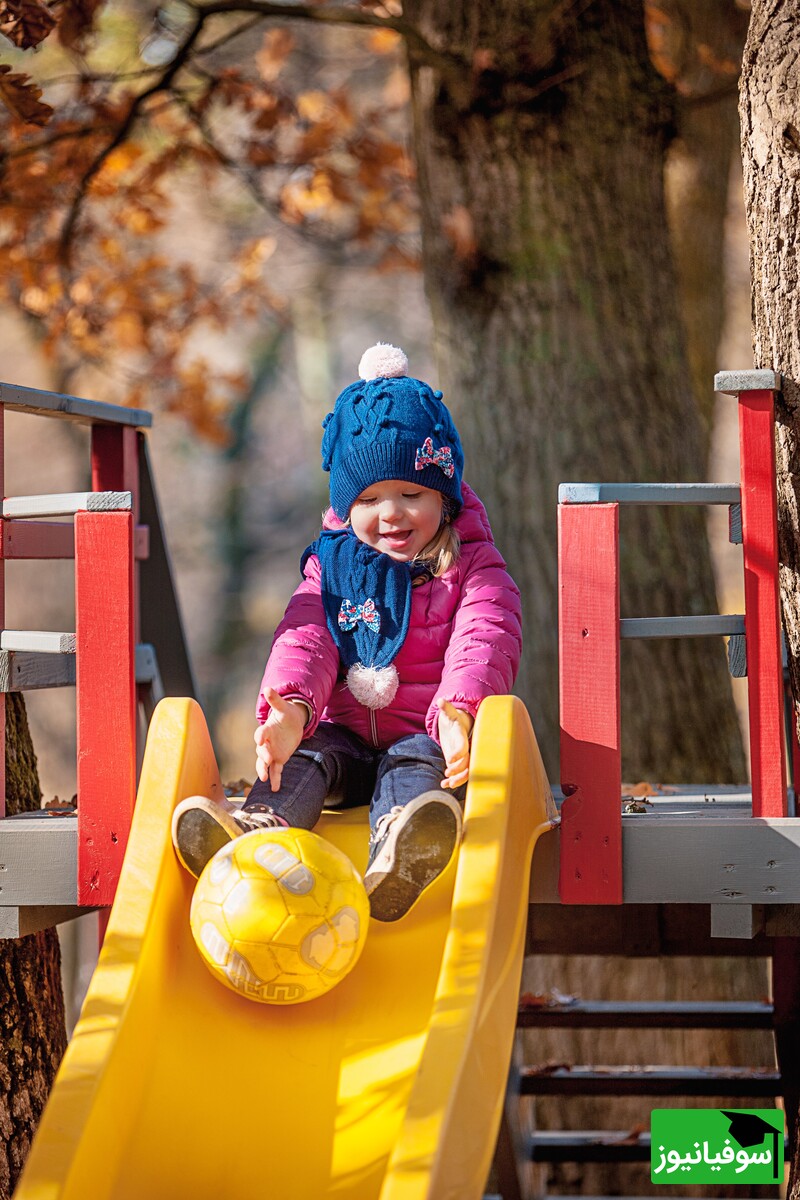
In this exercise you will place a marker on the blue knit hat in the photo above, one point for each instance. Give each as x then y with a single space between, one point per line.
388 425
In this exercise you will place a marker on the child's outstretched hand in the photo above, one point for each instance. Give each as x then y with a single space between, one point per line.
278 738
455 726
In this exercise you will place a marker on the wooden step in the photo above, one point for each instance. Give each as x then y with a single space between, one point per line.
591 1145
649 1081
646 1014
32 670
65 504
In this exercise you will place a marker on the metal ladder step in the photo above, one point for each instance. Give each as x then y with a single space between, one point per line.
649 1081
607 1014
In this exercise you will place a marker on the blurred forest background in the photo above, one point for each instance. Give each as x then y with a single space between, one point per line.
213 216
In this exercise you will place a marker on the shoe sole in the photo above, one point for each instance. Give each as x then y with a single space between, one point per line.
198 837
423 849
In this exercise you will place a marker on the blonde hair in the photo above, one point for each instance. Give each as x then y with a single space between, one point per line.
443 551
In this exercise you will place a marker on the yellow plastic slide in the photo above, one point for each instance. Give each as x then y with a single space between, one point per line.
389 1086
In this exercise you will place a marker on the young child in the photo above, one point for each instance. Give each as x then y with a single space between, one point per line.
405 621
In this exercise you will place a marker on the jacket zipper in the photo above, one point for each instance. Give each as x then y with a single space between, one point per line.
373 726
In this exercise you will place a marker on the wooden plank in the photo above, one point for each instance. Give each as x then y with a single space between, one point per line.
650 1081
65 504
589 689
737 920
673 627
704 860
20 922
70 408
636 931
38 857
762 603
36 539
693 860
22 671
106 699
648 493
649 1014
53 540
42 641
732 383
591 1145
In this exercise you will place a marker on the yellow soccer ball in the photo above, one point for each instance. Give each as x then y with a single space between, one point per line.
280 915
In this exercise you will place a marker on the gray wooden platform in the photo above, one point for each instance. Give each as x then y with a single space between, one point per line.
695 845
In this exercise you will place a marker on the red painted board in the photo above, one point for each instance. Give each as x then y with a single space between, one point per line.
589 692
54 539
115 468
762 603
105 699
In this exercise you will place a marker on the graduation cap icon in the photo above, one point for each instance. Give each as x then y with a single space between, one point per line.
748 1129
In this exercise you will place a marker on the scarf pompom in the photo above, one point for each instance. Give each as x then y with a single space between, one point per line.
374 687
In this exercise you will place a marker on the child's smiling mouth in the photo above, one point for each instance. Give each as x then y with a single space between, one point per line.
398 539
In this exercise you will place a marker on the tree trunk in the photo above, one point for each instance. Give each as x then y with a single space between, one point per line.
771 161
704 60
541 134
32 1032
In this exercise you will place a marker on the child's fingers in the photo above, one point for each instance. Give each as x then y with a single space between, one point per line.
276 701
275 773
454 781
455 765
262 769
260 734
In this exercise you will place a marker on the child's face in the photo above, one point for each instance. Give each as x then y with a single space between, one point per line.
397 518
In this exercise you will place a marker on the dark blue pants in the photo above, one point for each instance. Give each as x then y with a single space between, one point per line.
336 765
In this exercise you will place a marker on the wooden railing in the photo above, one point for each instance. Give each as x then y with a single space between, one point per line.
590 630
105 658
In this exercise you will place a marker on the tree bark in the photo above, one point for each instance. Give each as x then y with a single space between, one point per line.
771 162
541 135
32 1032
703 60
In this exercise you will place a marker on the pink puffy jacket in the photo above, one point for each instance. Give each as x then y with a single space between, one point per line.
463 643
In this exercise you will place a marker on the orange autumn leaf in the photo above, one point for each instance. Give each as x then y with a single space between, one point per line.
275 49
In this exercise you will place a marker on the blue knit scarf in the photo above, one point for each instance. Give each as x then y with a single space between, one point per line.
353 575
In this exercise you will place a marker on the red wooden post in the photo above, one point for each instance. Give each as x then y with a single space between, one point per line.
115 468
762 602
589 686
106 700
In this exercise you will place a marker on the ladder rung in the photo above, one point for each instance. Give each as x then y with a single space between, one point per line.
66 504
591 1145
649 493
646 1014
40 641
650 1081
30 670
661 627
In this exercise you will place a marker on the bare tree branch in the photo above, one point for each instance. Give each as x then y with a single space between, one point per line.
161 84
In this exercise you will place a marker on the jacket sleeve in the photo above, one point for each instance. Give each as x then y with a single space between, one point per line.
482 656
303 663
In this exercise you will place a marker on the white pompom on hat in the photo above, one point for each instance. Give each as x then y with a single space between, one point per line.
383 361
